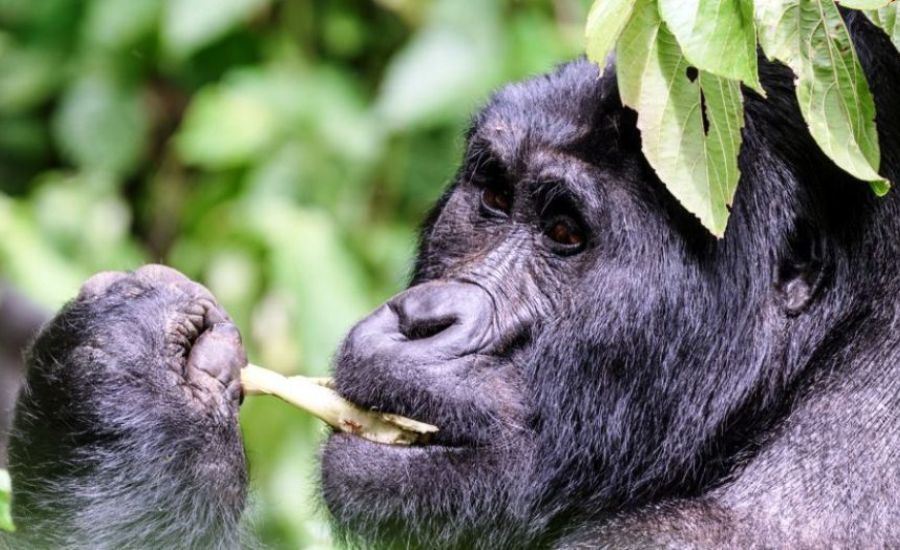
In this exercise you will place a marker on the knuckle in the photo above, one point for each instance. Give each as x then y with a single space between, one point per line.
227 332
160 274
175 285
158 298
98 284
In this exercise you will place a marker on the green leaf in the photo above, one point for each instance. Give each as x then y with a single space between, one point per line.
6 523
449 65
188 25
30 262
605 23
101 125
305 248
717 36
865 4
810 36
697 164
115 24
83 217
226 126
30 76
887 19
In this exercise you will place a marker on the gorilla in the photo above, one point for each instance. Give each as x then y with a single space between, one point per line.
603 371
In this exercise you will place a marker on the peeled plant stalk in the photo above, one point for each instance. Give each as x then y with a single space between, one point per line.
315 396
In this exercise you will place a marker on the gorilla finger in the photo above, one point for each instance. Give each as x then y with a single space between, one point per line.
156 273
161 275
204 303
218 353
216 315
99 284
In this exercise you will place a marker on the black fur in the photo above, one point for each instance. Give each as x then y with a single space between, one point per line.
649 387
656 365
125 436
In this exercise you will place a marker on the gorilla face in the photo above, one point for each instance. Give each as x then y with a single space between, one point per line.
542 295
583 344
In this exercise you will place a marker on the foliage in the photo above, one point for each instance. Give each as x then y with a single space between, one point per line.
6 523
680 64
279 151
886 16
690 130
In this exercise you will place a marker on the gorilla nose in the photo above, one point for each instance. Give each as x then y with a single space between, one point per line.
435 319
443 311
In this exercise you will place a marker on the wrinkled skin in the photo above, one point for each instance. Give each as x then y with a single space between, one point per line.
604 372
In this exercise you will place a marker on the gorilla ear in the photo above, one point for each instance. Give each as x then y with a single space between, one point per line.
800 269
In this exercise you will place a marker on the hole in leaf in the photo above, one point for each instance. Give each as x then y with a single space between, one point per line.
703 112
692 73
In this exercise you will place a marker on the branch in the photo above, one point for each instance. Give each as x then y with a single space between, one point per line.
316 396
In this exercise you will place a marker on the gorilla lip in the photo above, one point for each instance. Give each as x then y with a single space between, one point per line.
316 396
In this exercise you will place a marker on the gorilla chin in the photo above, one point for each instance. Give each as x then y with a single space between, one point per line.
392 496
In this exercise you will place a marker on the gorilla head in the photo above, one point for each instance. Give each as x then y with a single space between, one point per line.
583 344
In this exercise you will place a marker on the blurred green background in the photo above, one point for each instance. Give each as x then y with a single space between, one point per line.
281 152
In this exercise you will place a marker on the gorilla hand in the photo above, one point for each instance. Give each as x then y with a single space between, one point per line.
127 432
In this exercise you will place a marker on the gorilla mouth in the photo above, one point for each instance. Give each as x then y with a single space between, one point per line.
317 396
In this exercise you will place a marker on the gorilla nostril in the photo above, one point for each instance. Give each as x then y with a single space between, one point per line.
448 311
425 328
434 319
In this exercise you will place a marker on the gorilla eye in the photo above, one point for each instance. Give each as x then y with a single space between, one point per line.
565 232
497 200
